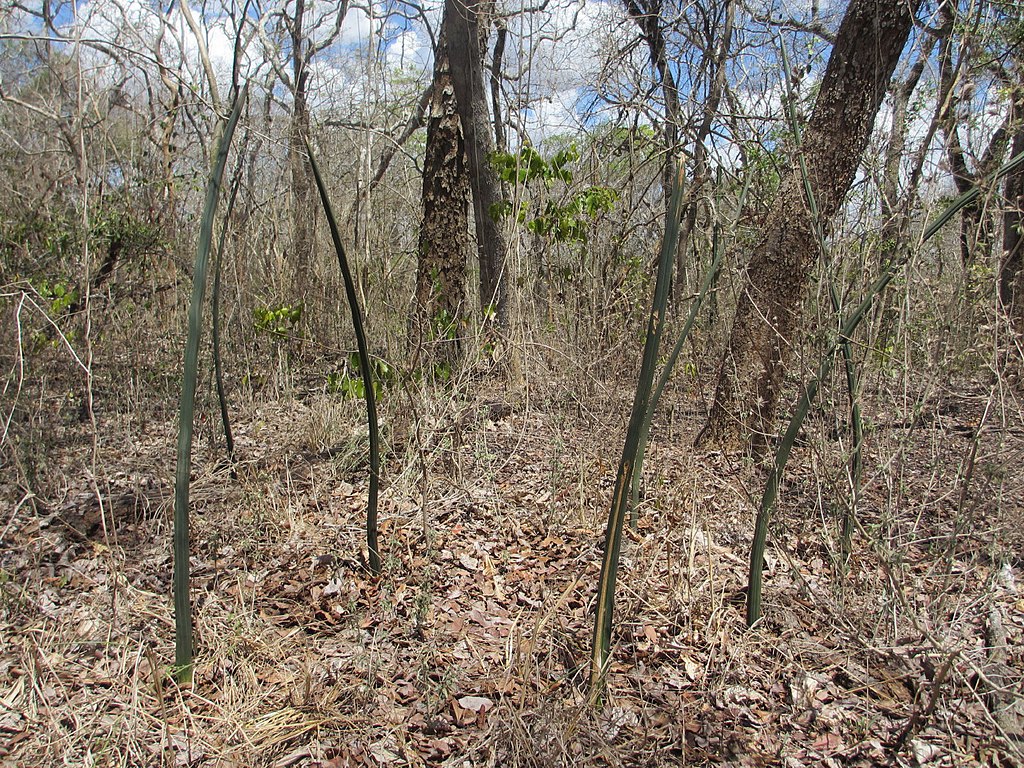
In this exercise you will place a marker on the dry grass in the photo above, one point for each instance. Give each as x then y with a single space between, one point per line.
491 525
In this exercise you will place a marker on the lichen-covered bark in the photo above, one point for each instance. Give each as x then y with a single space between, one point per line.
866 50
439 311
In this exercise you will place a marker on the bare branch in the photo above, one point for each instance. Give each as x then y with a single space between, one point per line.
204 53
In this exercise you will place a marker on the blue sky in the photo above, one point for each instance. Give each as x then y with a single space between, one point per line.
565 65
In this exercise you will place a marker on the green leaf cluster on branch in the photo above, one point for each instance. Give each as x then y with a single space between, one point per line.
561 222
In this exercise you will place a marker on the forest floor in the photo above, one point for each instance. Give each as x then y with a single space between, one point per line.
471 647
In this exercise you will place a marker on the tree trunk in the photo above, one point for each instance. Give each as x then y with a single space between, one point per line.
439 311
864 56
1011 270
466 29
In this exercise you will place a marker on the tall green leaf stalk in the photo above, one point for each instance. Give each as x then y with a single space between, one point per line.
641 400
218 368
856 426
364 364
182 602
710 278
846 330
666 371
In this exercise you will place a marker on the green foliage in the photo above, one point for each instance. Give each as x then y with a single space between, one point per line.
443 327
341 383
350 382
278 322
624 141
568 223
37 241
560 222
60 294
442 370
527 165
117 223
46 237
504 208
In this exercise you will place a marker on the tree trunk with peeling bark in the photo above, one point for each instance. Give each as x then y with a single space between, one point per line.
439 312
767 321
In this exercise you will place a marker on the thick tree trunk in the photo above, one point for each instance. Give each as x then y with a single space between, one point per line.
467 28
864 56
1011 269
438 318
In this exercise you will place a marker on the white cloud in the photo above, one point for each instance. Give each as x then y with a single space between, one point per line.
829 11
355 30
557 60
409 51
553 115
566 45
338 81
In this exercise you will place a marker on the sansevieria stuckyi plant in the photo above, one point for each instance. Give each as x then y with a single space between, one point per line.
624 477
707 286
365 365
182 601
846 330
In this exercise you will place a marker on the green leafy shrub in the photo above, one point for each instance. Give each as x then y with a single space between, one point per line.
278 322
349 382
561 222
60 293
